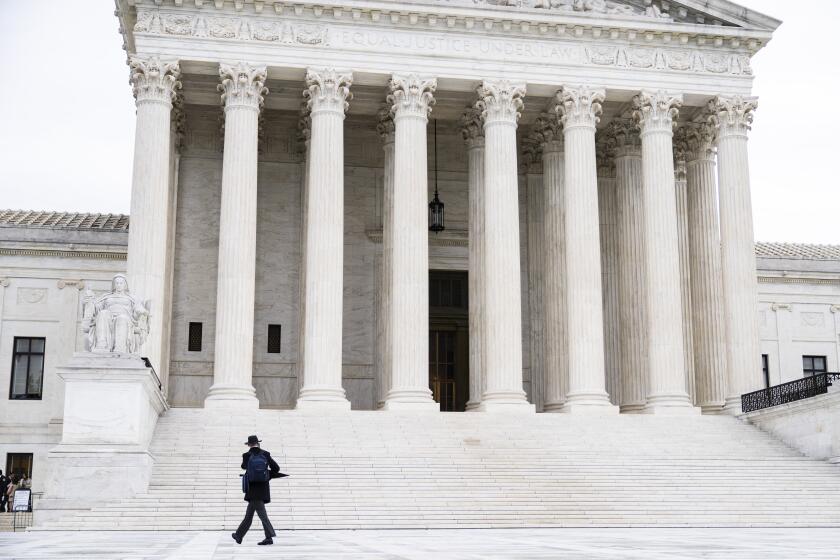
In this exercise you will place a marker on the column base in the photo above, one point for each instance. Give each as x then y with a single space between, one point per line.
716 408
232 396
322 399
634 408
506 403
552 407
418 400
411 406
595 404
673 405
473 406
732 406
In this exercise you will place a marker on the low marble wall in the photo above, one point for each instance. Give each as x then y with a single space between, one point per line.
812 426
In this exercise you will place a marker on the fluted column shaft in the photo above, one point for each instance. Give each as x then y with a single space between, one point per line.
155 85
411 99
681 189
608 211
580 109
666 366
386 132
704 261
501 102
473 133
327 94
733 117
631 273
242 93
554 268
536 269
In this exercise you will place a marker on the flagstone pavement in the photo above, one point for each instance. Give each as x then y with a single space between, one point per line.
441 544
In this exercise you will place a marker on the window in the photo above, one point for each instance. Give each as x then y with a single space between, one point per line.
812 365
765 369
19 464
27 368
194 337
273 339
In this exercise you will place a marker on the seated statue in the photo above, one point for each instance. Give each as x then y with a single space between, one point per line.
116 322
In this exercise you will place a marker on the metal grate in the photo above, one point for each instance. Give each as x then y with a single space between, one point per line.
791 391
194 337
274 339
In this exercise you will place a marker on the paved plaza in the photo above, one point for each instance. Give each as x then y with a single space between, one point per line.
465 544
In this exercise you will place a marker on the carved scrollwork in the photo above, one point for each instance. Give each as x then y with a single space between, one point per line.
411 95
328 89
153 79
732 115
472 128
385 125
242 85
656 111
500 101
699 140
579 106
549 131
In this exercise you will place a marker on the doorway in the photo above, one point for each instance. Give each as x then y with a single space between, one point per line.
449 339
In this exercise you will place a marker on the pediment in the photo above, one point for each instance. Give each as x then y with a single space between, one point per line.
694 12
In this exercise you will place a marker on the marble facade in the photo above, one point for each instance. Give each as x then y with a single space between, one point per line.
580 69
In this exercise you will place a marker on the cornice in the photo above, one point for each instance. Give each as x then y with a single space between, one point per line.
798 280
448 238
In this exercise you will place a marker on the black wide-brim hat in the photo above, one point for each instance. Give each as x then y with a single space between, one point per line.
252 440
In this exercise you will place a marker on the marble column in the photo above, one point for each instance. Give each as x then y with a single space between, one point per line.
655 113
531 165
681 190
608 217
327 94
579 109
304 133
554 263
733 118
411 99
632 288
500 102
472 130
155 84
242 95
385 128
704 269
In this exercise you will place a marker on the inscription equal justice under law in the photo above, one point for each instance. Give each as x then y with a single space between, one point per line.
466 46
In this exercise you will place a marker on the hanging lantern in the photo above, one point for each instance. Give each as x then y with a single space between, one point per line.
436 223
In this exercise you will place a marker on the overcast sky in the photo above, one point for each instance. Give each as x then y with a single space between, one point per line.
67 115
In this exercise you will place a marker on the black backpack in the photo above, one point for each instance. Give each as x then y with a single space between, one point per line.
257 470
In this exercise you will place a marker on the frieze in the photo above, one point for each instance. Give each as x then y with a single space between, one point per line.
285 32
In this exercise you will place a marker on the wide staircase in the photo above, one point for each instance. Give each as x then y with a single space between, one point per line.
378 469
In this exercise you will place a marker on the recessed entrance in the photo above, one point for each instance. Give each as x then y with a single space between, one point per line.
449 339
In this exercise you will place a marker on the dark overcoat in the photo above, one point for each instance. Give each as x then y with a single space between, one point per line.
260 490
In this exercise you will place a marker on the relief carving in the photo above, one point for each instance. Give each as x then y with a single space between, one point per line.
116 322
812 319
31 296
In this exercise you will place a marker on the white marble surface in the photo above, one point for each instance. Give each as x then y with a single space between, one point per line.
463 544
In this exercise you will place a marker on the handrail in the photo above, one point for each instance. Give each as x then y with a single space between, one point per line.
791 391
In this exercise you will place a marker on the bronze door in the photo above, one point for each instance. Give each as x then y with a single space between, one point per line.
442 368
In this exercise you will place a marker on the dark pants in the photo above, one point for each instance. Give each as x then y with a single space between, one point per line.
259 507
4 502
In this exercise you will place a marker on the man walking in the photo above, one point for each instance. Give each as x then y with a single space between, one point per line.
259 469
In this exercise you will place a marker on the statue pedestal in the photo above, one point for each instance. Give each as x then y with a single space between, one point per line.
111 407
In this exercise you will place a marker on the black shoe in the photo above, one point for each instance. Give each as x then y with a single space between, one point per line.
237 538
266 541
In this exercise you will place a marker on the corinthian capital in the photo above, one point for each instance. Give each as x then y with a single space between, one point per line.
699 140
328 90
472 128
579 106
732 115
153 79
411 95
385 125
605 146
625 134
500 101
656 111
549 131
242 85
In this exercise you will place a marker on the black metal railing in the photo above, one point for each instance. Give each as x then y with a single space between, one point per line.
791 391
149 365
